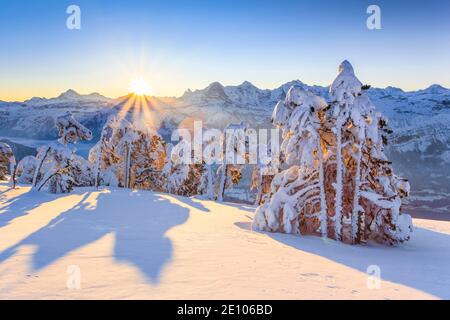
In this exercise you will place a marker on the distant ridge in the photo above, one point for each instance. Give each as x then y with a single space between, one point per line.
218 89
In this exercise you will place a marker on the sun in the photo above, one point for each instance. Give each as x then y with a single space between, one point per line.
140 87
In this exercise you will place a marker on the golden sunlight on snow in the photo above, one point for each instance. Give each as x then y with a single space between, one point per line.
130 244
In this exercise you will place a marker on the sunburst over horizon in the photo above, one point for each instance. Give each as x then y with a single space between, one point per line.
140 87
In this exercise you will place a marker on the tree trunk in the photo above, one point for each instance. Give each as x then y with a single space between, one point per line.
127 166
356 232
99 158
259 189
13 175
210 183
38 168
222 183
323 201
338 184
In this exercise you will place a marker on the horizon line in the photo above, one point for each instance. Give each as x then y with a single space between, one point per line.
200 89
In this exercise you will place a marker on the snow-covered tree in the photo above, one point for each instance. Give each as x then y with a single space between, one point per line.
129 156
212 152
57 167
233 159
366 186
298 202
26 169
185 177
7 163
262 176
340 184
54 169
70 130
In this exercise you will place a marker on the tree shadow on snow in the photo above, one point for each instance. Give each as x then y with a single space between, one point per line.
139 234
422 263
21 205
191 202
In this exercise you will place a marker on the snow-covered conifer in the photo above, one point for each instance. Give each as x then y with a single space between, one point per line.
262 176
128 156
26 169
70 130
235 156
7 163
57 167
340 183
185 178
298 202
211 154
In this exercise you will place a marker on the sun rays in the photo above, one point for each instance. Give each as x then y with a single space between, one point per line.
142 110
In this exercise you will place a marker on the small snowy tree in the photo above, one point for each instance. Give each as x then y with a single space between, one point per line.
211 156
54 169
57 166
185 178
262 176
340 174
70 130
129 156
148 162
233 159
26 169
7 163
104 156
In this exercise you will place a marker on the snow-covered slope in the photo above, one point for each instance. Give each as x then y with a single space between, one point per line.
127 244
420 145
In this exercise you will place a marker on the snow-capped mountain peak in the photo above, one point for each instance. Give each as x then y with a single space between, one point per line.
393 89
436 89
247 84
69 95
215 90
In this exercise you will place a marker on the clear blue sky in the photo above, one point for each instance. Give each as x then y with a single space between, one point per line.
176 45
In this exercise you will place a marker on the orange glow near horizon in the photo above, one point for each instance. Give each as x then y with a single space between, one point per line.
144 111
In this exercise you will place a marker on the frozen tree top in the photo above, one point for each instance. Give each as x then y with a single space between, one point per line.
300 97
70 130
123 124
5 148
346 86
296 97
346 67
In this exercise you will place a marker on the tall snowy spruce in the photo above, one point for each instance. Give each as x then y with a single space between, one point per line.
339 183
7 163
